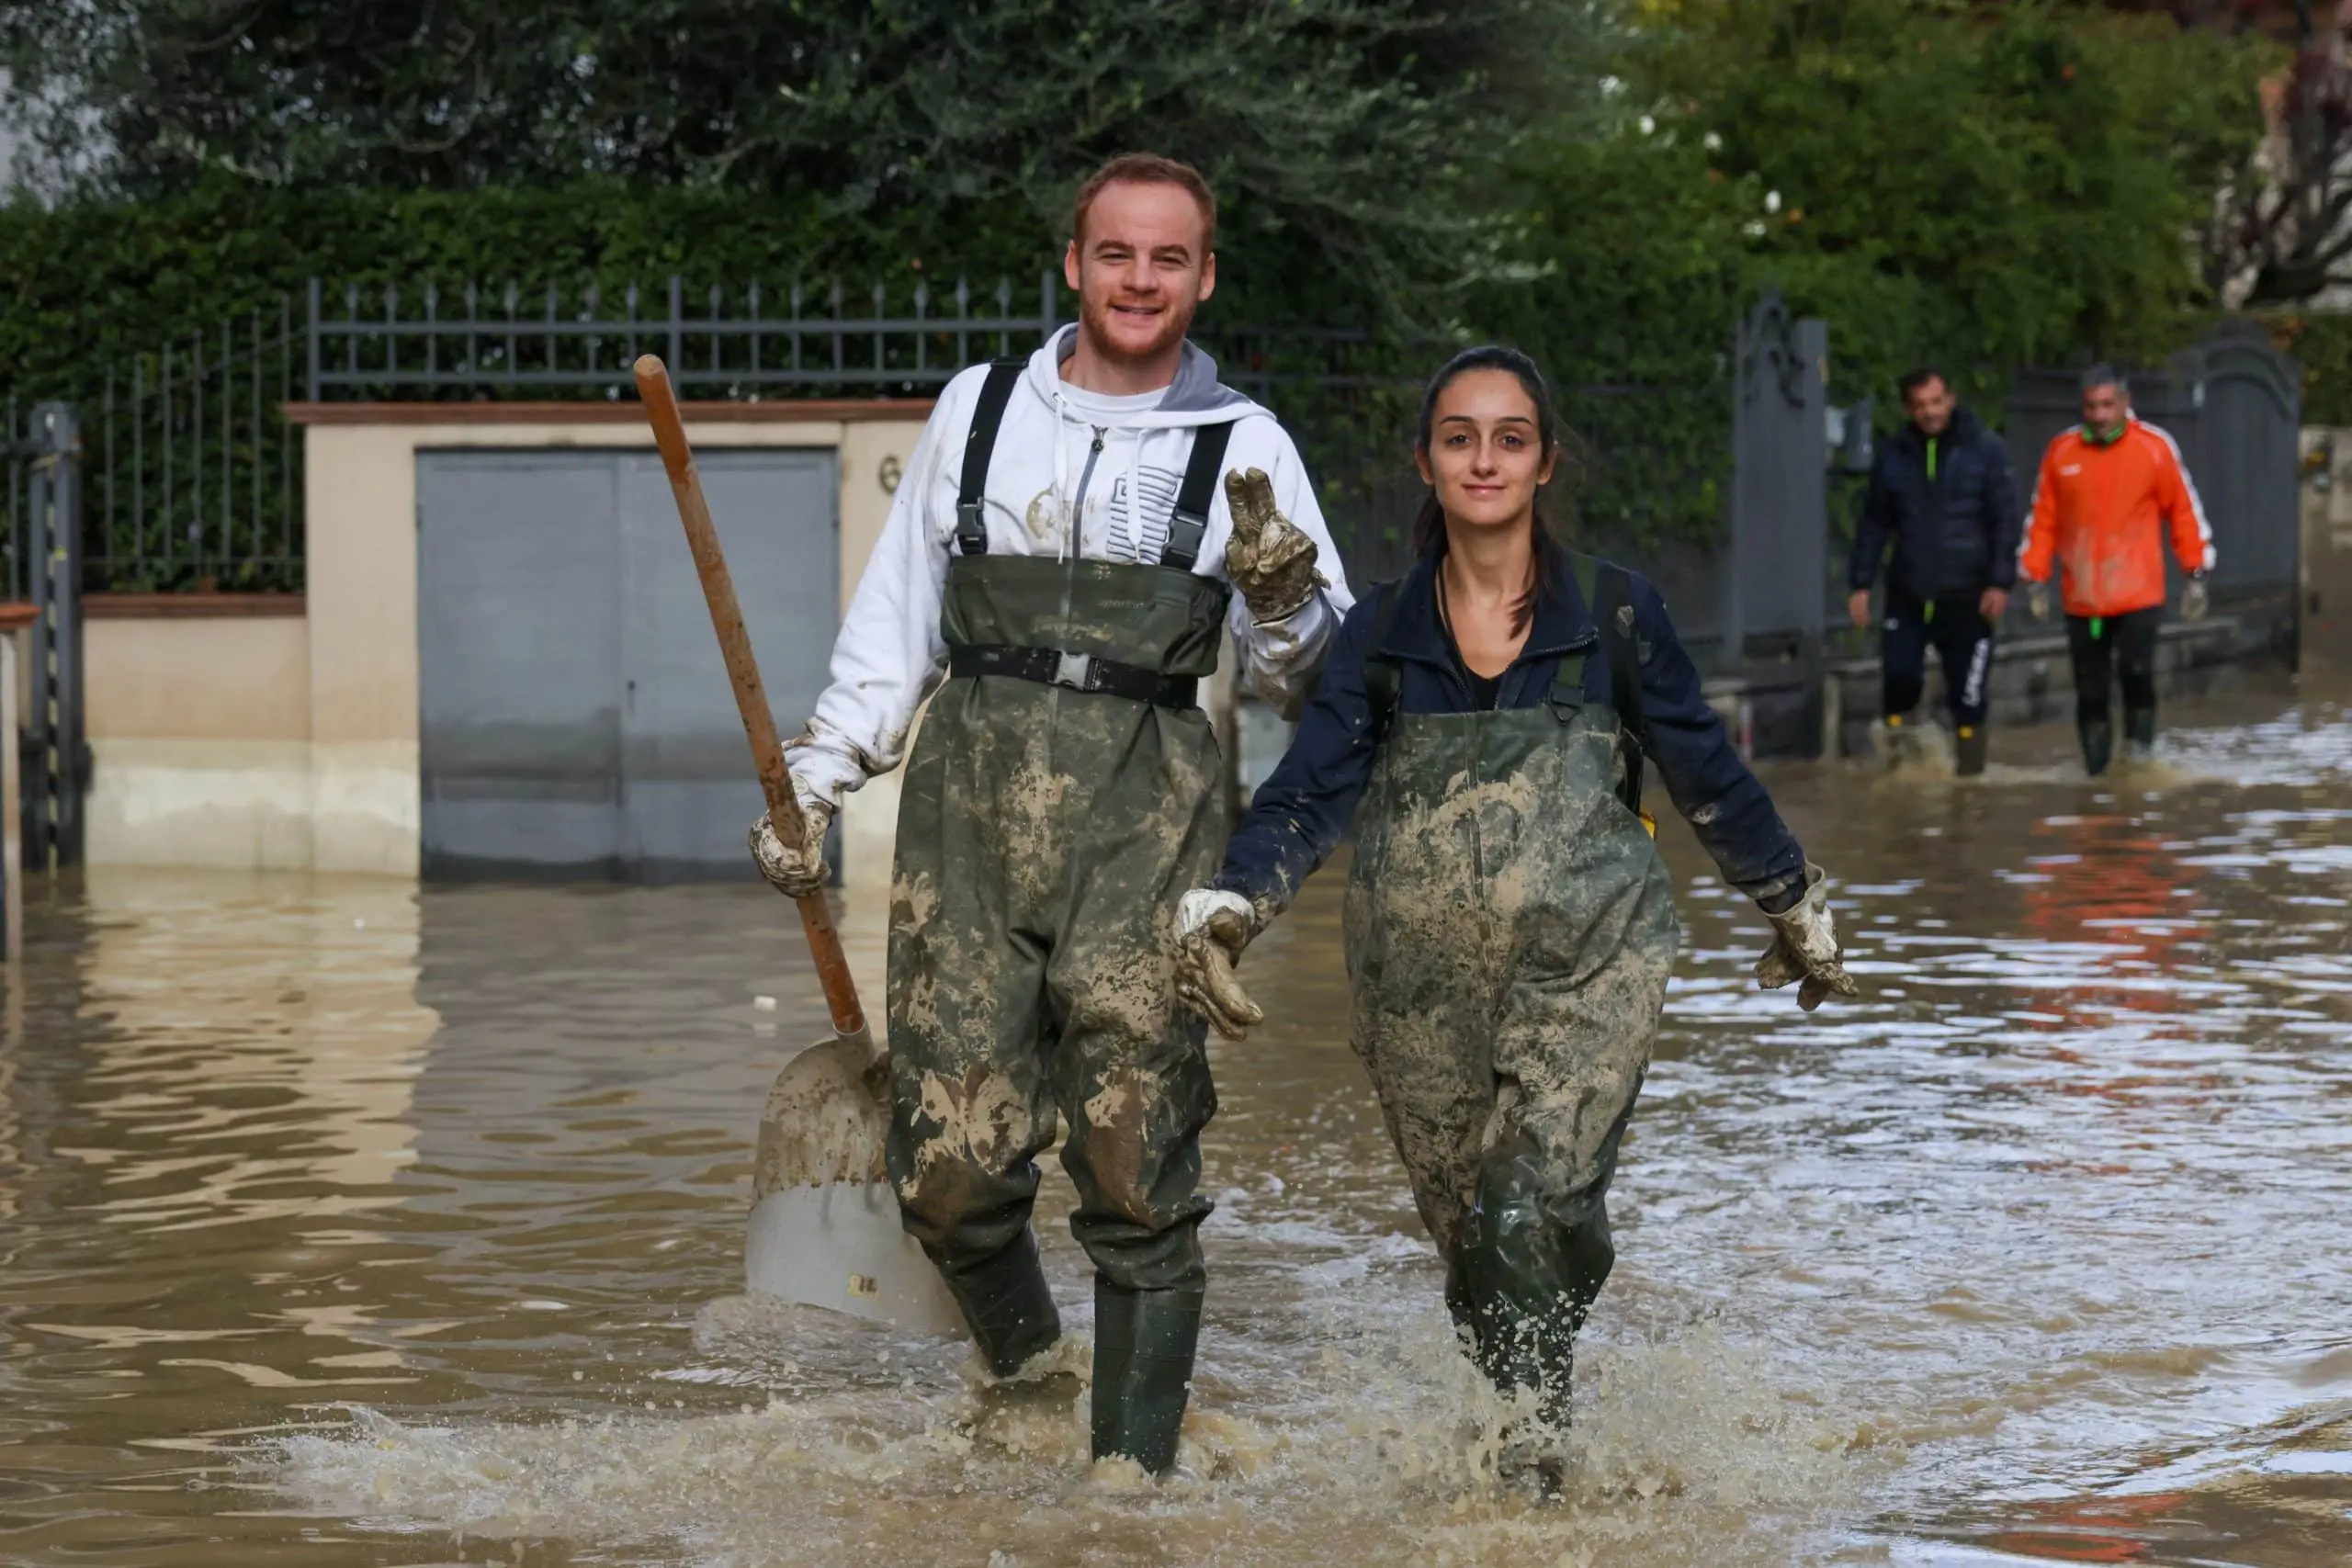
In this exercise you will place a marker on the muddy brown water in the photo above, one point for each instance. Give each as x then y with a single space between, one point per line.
343 1222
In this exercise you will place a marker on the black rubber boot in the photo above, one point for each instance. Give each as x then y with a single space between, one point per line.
1525 1272
2099 744
1006 1305
1968 751
1144 1345
2140 728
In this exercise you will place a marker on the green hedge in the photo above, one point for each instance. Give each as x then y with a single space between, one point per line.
82 284
2324 344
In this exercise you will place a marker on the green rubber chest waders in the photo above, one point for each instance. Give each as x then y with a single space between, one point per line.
1063 794
1510 928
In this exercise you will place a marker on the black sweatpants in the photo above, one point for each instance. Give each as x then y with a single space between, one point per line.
1964 643
2104 647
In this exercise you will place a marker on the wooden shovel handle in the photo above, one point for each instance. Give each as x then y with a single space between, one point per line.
743 671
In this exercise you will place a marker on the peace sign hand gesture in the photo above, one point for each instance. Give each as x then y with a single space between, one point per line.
1267 560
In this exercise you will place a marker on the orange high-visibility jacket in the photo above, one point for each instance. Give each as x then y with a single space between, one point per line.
2099 511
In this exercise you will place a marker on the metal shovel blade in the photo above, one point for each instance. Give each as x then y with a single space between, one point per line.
839 1247
824 1226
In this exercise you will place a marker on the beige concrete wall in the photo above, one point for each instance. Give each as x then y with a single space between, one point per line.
200 736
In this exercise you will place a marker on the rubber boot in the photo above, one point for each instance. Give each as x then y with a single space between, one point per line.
1902 742
1968 751
1008 1306
2099 744
1144 1345
2139 736
1525 1272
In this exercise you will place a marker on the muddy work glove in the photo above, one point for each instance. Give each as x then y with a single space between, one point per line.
795 870
2194 600
1269 561
1212 927
2037 601
1804 948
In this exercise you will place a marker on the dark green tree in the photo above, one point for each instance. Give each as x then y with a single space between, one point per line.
1349 137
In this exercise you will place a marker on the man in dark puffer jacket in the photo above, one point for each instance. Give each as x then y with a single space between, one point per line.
1941 492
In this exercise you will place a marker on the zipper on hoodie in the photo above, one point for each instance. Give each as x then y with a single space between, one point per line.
1085 477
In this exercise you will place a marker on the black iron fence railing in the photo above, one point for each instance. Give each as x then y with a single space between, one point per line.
193 475
719 342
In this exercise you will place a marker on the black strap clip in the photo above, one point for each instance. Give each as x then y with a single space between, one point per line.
980 446
1189 523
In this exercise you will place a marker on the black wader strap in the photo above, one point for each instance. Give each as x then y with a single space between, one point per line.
1568 677
1079 672
1614 599
1190 522
1383 682
988 418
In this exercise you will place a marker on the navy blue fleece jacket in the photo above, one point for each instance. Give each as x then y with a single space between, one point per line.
1301 813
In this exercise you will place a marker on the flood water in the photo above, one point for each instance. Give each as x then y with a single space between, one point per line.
344 1223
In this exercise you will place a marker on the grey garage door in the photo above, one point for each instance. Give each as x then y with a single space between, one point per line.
576 717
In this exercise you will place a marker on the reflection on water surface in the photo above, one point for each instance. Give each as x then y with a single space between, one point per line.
342 1224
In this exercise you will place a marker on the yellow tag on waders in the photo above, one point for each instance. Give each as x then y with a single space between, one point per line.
1649 822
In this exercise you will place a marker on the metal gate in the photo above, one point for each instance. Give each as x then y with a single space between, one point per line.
576 718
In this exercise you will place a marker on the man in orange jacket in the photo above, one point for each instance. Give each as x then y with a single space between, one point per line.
2108 491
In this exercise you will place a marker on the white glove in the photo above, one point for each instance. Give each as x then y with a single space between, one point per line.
797 870
2194 599
1804 947
1212 927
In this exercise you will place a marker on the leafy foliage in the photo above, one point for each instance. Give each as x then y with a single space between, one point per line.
1979 189
1347 135
1608 185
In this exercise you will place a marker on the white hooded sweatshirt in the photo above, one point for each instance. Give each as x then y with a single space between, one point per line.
1062 453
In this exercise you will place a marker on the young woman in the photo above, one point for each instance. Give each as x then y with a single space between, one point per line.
1509 923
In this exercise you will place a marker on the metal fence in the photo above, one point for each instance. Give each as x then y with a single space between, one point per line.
192 474
719 342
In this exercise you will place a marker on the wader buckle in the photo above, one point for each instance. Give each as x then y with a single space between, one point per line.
1075 670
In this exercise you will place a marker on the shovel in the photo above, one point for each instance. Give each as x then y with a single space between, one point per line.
824 1226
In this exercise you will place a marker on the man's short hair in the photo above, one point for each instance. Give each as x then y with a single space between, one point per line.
1912 380
1150 169
2105 375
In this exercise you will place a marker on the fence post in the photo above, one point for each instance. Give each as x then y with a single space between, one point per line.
1777 558
312 333
678 328
1047 301
61 753
12 838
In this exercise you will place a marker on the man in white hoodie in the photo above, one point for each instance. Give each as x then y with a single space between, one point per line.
1063 551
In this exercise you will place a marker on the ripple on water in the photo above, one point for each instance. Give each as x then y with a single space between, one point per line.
1690 1450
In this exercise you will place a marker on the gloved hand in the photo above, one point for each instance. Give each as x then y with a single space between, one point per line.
795 870
2194 599
1269 561
1804 947
2037 601
1212 929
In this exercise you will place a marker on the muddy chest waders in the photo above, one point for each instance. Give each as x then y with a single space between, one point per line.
1061 796
1508 929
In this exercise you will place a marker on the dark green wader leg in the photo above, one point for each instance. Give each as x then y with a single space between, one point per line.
1045 835
1509 931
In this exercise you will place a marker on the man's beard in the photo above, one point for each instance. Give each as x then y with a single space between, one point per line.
1101 321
